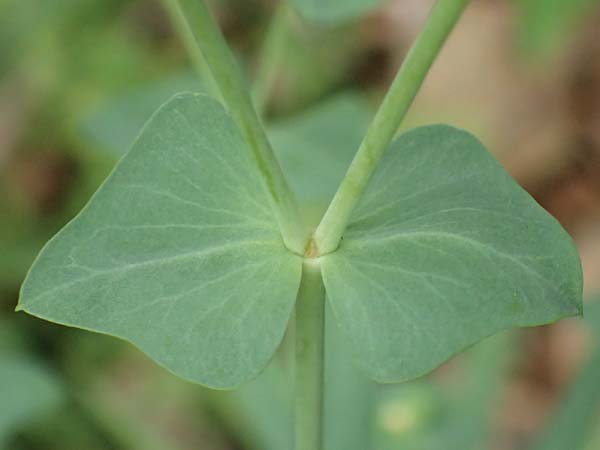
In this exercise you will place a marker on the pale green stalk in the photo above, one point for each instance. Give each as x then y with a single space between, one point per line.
400 96
310 348
232 85
271 56
189 42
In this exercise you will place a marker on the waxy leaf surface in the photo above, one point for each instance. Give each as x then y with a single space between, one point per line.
178 252
443 250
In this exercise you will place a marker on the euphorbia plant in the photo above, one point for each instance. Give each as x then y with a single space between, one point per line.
195 250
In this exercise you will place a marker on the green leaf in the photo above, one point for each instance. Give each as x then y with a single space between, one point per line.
28 391
443 250
314 147
334 11
545 25
178 252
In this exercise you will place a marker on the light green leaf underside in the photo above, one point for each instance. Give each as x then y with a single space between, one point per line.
332 11
178 253
443 250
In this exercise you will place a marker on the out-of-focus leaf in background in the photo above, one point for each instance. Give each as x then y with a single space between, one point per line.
453 411
112 127
333 11
316 147
29 391
573 423
547 25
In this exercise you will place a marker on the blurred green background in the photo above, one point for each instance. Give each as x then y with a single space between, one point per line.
79 78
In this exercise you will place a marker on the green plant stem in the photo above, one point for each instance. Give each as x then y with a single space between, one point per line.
232 85
400 96
189 42
310 337
271 57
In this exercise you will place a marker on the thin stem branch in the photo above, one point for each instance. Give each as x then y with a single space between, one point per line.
189 42
310 352
400 96
232 85
271 56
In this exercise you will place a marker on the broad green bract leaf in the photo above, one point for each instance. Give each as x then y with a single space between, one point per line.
178 252
334 10
443 250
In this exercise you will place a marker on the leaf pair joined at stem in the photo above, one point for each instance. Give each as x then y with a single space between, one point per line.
193 247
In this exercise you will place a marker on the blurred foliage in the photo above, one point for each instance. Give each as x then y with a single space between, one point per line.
334 11
577 415
28 389
115 125
458 416
547 25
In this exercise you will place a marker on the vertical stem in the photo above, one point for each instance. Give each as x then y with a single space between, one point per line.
187 38
310 336
232 85
271 56
400 96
